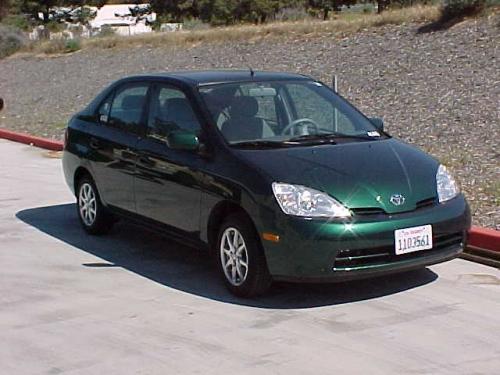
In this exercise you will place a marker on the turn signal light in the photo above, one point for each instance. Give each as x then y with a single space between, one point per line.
271 237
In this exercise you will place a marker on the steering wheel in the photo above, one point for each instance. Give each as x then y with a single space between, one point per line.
291 126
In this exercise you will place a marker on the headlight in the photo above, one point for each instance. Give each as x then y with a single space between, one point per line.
299 200
447 187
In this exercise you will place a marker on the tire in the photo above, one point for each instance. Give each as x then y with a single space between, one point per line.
94 217
243 267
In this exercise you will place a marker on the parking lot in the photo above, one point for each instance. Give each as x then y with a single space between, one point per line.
134 302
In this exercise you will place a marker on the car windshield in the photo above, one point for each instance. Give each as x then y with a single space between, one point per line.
284 113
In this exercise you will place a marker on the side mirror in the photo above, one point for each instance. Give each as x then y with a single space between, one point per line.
183 140
378 122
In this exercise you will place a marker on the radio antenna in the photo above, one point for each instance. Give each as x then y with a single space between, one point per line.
245 61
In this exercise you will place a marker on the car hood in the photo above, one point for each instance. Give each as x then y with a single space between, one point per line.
362 175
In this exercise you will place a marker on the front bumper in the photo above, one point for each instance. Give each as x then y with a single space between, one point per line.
322 251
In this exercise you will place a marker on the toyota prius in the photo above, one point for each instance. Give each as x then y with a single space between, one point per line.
276 175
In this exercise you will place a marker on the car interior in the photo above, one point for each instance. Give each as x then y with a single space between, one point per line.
275 111
242 112
243 122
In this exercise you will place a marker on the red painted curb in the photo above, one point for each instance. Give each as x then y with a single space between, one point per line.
484 238
31 140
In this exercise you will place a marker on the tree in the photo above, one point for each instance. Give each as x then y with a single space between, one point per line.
34 7
326 6
217 12
382 5
225 12
4 8
175 10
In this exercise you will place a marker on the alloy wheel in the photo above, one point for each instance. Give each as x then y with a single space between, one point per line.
234 256
87 204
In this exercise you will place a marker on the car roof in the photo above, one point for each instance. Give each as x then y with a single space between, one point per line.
211 77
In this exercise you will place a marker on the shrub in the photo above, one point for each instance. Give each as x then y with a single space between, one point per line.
457 9
195 24
52 46
292 14
55 46
17 21
11 40
106 31
72 45
54 26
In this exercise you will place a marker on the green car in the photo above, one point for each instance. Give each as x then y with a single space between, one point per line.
275 174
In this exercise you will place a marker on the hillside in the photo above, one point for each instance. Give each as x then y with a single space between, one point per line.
436 90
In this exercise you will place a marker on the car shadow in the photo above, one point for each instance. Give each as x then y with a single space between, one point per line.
171 264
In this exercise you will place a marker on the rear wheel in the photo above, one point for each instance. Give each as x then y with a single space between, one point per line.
241 259
94 217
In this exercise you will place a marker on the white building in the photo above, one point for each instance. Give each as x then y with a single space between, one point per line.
120 19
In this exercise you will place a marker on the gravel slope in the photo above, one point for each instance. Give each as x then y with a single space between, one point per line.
440 91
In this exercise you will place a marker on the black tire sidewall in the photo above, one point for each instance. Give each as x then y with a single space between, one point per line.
258 279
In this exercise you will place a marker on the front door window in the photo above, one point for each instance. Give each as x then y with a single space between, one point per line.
170 110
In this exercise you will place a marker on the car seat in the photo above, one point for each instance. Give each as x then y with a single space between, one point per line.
243 123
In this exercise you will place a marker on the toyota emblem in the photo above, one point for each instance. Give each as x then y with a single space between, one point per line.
397 199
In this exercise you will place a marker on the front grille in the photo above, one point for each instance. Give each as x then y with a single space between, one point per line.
348 258
366 211
426 203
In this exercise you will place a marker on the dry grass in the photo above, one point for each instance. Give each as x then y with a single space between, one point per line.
57 46
343 24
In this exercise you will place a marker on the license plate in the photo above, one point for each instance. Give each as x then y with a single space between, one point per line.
413 239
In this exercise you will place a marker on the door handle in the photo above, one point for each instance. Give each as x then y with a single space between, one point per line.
94 143
147 161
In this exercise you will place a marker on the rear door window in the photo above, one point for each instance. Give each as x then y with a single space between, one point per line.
128 107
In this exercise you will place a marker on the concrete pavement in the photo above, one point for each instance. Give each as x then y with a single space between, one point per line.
134 302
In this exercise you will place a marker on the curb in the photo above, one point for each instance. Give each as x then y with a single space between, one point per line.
483 247
479 238
31 140
484 238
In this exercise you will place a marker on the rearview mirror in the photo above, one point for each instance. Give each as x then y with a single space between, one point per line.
183 140
378 122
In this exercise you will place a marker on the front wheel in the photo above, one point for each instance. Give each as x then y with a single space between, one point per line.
94 217
241 259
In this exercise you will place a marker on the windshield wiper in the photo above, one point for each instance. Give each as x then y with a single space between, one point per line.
261 144
328 137
312 137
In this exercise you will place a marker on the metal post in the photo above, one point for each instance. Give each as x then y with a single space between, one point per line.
335 111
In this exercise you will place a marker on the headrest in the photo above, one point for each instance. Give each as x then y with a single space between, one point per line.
215 103
244 106
133 102
180 109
